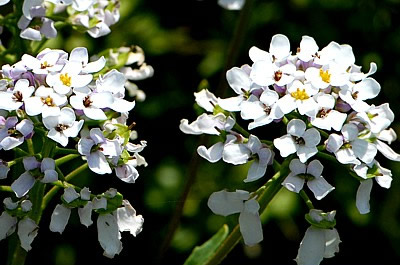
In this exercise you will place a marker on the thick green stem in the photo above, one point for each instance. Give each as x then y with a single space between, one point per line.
6 188
19 256
66 158
306 199
31 150
53 191
65 151
272 187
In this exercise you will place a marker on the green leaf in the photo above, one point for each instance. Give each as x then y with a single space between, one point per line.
201 254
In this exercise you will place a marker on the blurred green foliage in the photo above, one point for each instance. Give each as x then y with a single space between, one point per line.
187 42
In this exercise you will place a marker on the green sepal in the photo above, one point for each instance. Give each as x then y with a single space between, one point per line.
324 224
373 172
218 109
75 203
17 212
112 203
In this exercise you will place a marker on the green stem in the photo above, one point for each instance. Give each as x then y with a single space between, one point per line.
65 151
6 188
306 199
242 131
39 46
235 45
36 196
66 158
31 150
273 186
53 191
19 256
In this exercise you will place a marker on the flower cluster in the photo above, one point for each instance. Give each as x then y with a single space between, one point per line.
93 16
320 96
74 107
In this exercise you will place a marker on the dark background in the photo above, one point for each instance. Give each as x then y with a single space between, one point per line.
187 42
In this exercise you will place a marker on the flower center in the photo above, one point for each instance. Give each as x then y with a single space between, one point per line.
278 76
61 127
300 94
299 140
87 102
44 65
323 113
325 75
267 109
48 101
17 96
65 79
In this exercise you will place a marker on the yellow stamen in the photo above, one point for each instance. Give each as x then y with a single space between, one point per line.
300 94
325 75
44 65
65 79
48 101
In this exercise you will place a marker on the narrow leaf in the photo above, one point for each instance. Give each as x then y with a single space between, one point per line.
201 254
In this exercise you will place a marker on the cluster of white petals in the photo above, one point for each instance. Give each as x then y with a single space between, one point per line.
321 97
68 102
94 16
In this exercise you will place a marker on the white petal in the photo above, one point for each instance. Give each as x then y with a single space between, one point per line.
262 73
387 151
226 203
257 54
347 156
23 184
367 89
238 80
128 220
50 175
285 145
236 154
332 241
296 127
250 223
304 152
293 183
7 225
312 247
108 235
334 142
350 131
85 214
320 187
363 195
315 168
122 105
311 137
212 154
98 163
364 150
204 98
296 167
308 48
59 218
231 104
27 231
70 194
280 46
95 114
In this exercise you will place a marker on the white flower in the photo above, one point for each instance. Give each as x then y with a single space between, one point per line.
80 55
96 148
208 124
298 140
348 148
27 231
318 243
26 180
13 100
35 33
110 225
231 4
355 94
263 156
240 81
226 203
63 126
46 102
71 76
299 95
4 169
279 50
206 100
377 118
12 133
265 73
300 172
327 118
47 61
92 103
7 225
374 170
263 111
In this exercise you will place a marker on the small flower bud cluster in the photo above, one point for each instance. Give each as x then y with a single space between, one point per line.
77 106
320 96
